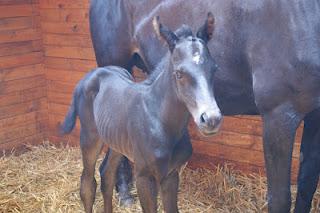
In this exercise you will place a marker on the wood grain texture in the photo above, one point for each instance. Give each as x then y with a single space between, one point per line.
64 15
23 87
59 4
22 10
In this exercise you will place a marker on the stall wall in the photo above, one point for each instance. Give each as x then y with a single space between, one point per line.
68 55
23 103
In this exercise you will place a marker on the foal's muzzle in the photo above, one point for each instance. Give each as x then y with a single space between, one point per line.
210 122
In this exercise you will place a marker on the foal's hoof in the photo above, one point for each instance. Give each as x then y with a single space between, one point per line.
126 201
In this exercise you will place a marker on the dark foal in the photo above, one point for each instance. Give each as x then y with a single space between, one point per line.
146 122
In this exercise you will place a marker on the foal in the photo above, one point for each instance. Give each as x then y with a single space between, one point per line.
146 121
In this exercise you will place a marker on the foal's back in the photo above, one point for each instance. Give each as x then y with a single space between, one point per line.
116 106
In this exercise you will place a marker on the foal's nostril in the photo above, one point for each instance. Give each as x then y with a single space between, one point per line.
217 119
203 118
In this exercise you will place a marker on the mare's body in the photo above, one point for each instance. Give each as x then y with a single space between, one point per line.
269 58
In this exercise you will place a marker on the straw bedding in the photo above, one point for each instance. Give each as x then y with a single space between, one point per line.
46 179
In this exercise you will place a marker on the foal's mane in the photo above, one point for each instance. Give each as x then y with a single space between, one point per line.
182 32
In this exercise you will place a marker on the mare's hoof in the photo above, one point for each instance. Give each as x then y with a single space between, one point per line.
126 201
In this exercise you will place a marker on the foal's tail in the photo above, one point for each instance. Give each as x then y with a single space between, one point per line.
71 117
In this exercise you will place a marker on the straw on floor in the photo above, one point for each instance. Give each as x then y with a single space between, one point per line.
46 179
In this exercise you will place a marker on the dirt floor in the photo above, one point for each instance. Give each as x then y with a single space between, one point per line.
46 179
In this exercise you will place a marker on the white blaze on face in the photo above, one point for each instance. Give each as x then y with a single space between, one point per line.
205 101
197 58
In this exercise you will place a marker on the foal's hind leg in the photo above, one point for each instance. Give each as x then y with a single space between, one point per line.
309 162
90 148
108 170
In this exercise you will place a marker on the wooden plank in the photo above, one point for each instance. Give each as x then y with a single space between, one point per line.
20 47
138 74
69 64
22 84
21 60
60 87
238 125
17 10
18 23
212 162
67 40
59 98
68 76
245 141
30 106
228 152
65 28
21 143
76 4
231 153
21 72
23 96
58 109
23 119
236 136
64 15
18 2
258 121
249 117
21 132
20 35
70 52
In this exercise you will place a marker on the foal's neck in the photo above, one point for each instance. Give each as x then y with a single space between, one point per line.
171 111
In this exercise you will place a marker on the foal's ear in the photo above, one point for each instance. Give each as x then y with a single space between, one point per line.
205 31
165 33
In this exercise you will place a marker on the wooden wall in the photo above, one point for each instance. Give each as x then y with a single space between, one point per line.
68 55
23 103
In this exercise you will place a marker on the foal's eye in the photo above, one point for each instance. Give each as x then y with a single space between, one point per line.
179 74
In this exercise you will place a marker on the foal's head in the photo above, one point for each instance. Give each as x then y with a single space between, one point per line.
193 70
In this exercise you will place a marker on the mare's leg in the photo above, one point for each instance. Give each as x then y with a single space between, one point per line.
280 125
147 192
169 192
309 162
124 182
90 148
108 175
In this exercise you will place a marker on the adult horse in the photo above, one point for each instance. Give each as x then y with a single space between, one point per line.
269 58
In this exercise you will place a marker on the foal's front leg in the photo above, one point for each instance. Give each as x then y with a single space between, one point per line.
147 192
169 192
108 170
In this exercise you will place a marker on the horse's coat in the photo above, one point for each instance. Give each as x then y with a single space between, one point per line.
146 122
268 52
